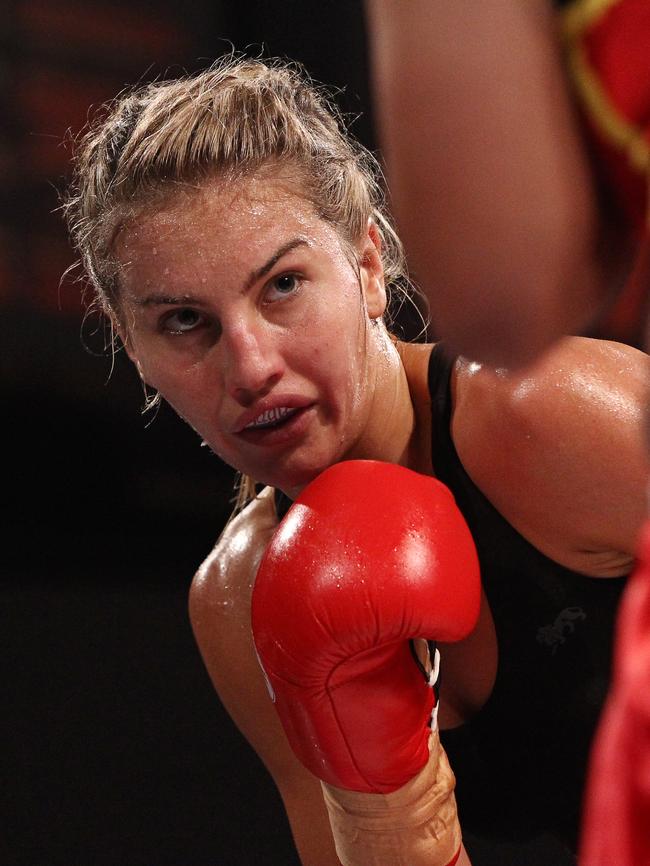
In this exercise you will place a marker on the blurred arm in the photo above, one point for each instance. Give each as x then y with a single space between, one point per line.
489 179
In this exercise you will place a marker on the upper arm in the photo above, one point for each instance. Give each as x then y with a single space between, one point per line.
561 450
219 607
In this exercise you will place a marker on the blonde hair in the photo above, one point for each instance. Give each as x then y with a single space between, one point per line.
232 119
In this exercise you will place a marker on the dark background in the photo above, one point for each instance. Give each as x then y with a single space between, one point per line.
117 750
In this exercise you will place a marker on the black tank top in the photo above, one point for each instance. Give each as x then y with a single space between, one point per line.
520 762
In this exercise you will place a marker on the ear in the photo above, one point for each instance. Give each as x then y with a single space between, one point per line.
372 271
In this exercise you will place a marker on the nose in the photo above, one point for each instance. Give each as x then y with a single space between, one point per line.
254 363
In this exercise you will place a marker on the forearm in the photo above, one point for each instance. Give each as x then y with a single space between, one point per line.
308 817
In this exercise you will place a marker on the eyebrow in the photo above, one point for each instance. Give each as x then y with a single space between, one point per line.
275 258
156 299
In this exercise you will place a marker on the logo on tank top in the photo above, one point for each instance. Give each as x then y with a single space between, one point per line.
555 635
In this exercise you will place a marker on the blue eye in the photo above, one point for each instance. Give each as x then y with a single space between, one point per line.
181 321
283 285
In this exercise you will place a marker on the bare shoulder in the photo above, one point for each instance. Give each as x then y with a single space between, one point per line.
223 583
560 449
580 380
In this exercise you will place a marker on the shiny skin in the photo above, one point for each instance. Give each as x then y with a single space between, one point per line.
223 348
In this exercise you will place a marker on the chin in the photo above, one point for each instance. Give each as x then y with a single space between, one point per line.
291 472
292 481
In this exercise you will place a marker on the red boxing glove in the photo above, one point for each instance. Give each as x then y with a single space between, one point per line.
369 556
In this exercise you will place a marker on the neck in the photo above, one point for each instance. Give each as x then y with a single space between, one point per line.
389 435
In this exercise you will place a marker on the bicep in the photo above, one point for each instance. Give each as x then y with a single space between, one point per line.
606 461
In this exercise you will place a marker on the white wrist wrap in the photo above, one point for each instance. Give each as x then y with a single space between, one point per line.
417 825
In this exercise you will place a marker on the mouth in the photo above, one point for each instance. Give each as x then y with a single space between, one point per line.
278 426
271 418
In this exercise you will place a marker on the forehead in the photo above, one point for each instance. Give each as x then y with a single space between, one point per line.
223 215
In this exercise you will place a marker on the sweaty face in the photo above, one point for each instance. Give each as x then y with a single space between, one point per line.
244 309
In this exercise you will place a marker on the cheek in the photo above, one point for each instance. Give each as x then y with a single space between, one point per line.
341 322
166 366
338 364
185 388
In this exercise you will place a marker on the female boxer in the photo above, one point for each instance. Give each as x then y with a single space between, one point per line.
237 239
